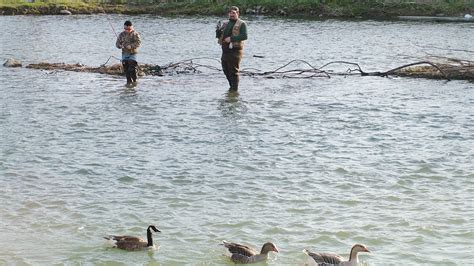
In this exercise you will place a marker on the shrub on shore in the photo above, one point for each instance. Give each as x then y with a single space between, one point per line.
316 8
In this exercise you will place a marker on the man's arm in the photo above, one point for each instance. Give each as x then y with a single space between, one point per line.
119 42
137 41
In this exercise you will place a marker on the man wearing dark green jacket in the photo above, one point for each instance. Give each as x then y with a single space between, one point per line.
231 36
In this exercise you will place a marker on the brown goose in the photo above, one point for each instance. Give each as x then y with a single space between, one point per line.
132 243
334 259
244 254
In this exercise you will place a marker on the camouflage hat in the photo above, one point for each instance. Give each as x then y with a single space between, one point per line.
234 8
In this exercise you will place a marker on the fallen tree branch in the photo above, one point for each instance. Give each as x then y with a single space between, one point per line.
461 70
391 71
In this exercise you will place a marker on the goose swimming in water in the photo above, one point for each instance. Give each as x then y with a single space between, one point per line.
244 254
132 243
334 259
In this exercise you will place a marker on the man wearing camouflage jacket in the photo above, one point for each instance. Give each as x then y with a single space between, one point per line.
129 41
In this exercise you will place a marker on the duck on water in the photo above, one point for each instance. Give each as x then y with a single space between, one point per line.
334 259
244 254
134 243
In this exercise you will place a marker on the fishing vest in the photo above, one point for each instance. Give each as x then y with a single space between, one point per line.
235 32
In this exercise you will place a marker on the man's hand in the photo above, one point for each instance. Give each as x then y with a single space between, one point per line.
129 47
227 40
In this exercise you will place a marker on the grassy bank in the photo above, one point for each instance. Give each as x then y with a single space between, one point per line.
312 8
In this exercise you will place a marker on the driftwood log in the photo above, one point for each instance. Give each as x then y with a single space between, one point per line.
458 69
115 69
454 69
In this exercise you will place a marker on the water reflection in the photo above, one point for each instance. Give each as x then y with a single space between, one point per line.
232 96
128 91
152 261
231 105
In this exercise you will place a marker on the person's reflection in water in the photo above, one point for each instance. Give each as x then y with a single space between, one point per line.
232 106
128 95
232 96
130 91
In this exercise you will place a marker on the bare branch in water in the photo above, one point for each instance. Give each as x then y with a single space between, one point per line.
457 69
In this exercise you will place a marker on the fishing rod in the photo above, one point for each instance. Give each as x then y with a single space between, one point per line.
112 26
110 22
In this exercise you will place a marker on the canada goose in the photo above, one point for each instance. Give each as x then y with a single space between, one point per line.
334 259
244 254
132 243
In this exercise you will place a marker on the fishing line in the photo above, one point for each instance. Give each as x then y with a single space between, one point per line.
116 35
110 22
112 26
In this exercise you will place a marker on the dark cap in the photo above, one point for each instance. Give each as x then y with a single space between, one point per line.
127 23
234 8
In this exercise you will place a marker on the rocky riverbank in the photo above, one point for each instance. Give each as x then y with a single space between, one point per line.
314 10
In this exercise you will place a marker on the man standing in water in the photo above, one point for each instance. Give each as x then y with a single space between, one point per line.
231 36
129 41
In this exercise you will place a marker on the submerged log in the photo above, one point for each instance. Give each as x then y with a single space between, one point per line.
111 70
115 69
454 69
450 71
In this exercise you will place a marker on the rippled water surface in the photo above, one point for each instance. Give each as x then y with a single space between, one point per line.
305 163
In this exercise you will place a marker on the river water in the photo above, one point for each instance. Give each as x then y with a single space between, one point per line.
305 163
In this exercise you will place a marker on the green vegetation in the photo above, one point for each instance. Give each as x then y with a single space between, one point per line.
19 7
313 8
43 3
